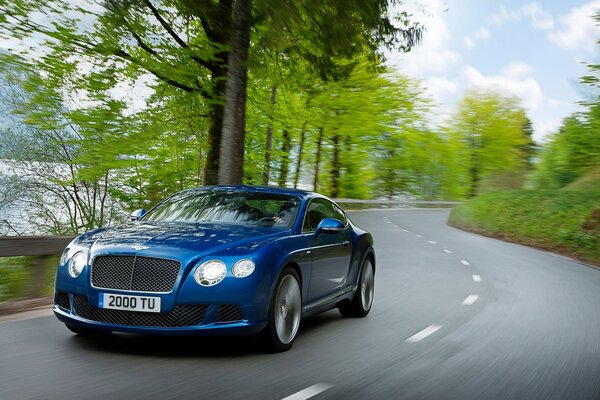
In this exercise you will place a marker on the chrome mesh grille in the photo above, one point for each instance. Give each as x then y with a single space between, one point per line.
229 313
144 274
61 299
181 315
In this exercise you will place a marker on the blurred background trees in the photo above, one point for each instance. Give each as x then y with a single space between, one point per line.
110 106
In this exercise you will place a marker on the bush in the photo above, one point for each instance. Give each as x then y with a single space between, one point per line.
564 221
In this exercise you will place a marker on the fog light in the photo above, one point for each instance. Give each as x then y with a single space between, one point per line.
77 264
243 268
210 273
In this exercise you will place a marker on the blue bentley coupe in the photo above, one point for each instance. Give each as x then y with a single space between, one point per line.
218 260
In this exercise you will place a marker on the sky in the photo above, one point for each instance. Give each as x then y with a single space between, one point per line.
534 50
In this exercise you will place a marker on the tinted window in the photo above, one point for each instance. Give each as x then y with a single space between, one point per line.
244 208
317 210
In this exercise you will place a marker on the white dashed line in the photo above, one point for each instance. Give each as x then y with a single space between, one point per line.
419 236
447 251
472 298
432 242
465 262
423 334
309 392
476 278
405 230
395 226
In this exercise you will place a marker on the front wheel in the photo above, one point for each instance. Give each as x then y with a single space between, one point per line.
361 303
285 312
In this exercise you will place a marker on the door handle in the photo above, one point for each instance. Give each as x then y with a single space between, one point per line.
345 243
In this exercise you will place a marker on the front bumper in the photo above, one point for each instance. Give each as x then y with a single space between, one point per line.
207 323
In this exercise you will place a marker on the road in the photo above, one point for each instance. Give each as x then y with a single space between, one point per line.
456 316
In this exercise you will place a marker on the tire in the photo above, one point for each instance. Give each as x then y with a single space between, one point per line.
361 303
285 312
87 332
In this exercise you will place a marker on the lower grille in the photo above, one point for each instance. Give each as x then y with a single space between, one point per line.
181 315
229 313
61 299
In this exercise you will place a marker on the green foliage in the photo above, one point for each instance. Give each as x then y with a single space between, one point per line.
564 221
17 275
492 135
570 153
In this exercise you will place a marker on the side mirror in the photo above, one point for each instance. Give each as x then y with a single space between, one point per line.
329 225
137 214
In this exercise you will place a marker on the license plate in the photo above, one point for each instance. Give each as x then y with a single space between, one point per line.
127 302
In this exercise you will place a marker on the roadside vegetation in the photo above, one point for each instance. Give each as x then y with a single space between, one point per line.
565 221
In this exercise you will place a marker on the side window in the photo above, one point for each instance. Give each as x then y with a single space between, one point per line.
319 209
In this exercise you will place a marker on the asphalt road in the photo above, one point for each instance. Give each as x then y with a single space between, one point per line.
456 316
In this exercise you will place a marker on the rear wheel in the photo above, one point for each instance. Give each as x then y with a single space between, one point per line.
285 312
361 303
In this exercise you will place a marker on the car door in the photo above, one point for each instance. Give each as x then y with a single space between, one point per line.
330 252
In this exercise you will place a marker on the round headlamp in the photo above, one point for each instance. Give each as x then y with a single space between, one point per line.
242 268
210 273
77 264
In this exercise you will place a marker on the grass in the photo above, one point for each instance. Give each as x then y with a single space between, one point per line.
17 273
565 221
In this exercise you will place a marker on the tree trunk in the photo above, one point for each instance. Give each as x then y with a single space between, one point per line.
231 155
215 128
299 160
335 166
318 161
269 137
285 158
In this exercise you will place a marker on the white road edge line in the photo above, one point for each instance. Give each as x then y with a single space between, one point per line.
472 298
465 262
432 242
476 278
447 251
309 392
423 334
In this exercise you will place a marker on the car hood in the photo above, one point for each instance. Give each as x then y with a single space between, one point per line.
150 237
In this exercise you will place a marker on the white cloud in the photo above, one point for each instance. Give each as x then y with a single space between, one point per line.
480 34
441 88
579 30
526 88
517 70
537 15
434 53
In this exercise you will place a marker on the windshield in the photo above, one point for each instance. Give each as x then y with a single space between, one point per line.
243 208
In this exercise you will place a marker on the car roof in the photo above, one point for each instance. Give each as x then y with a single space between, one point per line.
261 189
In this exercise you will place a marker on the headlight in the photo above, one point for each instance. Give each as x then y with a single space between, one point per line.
242 268
77 264
210 273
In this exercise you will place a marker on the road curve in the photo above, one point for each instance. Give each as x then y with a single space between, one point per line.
456 316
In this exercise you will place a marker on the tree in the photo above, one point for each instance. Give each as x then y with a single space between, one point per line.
196 46
491 127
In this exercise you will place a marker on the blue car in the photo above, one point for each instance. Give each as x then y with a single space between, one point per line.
218 260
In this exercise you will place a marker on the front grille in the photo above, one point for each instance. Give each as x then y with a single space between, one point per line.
61 299
181 315
143 274
229 313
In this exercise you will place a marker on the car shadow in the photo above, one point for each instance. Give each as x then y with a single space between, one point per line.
191 346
